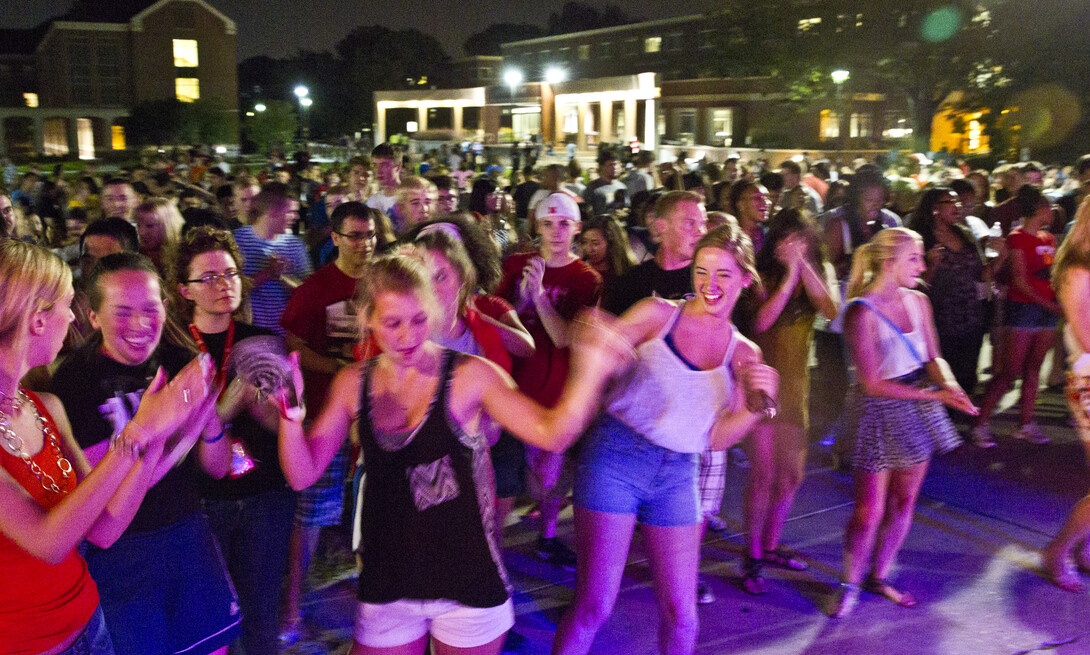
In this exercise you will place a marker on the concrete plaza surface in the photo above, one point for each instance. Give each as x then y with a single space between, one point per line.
971 558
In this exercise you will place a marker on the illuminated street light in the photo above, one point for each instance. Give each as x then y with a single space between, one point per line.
840 76
512 77
305 102
259 107
301 91
555 75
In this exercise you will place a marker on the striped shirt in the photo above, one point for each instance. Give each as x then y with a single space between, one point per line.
268 300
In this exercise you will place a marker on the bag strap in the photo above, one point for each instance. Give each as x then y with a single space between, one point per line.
911 348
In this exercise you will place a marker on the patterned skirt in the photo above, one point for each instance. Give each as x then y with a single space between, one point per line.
891 434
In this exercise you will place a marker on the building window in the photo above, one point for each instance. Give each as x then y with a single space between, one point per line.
686 126
584 52
80 73
860 126
564 54
830 124
707 39
107 59
675 41
185 53
975 132
722 127
187 89
605 49
808 24
631 47
652 44
31 99
117 137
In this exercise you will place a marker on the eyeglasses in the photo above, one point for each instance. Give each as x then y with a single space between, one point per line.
211 279
949 202
356 237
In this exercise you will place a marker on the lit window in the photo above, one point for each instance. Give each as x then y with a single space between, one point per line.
722 127
807 24
652 44
31 99
830 124
117 137
187 89
584 52
185 53
859 126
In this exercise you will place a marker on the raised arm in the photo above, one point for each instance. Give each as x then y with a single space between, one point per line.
303 458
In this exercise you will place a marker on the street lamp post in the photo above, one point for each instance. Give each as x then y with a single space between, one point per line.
512 77
305 101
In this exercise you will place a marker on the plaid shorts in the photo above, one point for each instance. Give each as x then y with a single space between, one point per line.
713 480
322 503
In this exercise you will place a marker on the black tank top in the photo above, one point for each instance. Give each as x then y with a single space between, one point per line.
427 510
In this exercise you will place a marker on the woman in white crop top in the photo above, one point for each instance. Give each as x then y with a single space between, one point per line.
895 414
640 461
1069 551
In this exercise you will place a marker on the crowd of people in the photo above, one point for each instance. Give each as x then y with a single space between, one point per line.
463 337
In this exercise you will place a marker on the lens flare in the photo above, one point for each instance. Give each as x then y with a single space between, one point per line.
941 24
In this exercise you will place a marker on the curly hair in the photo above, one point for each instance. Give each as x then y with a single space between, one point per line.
196 242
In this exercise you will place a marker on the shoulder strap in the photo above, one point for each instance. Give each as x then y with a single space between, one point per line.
732 346
911 349
669 325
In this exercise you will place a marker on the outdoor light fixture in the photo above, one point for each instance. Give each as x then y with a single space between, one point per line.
512 77
301 91
305 102
840 76
555 75
259 107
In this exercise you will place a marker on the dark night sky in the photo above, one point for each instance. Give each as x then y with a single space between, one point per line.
279 28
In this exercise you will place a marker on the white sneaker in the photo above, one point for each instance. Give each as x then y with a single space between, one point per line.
982 437
1031 432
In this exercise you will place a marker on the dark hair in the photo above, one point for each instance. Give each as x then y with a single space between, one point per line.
384 231
867 177
386 151
737 190
617 253
1028 199
194 217
1082 165
114 263
478 195
119 229
119 180
783 224
792 166
771 180
478 243
691 181
606 155
181 255
444 182
272 194
923 218
962 185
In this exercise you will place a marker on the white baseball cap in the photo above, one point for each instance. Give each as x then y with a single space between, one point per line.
559 205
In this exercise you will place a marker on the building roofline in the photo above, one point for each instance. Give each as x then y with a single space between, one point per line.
605 30
137 21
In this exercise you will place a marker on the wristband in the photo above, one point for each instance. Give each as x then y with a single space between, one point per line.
223 431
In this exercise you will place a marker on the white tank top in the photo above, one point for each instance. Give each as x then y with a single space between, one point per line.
668 402
897 359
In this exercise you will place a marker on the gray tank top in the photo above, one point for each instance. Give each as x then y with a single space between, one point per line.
668 402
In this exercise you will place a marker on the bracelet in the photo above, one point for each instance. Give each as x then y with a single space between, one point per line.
223 431
127 446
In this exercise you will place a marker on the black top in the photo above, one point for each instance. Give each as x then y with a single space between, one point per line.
646 280
260 443
428 509
100 395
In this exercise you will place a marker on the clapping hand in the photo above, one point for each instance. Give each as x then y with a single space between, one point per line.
165 406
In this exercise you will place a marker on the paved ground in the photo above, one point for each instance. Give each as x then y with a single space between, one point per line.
971 558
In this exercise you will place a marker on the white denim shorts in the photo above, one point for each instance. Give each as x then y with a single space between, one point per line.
404 621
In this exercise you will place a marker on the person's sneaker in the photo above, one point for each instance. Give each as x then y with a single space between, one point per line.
982 437
1031 432
553 551
704 594
716 524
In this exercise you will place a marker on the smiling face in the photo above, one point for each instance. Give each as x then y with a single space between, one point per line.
400 325
907 264
948 209
56 317
224 294
594 246
130 316
718 280
753 205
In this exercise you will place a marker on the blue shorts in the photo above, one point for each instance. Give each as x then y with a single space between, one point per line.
94 640
1028 316
322 503
166 591
621 472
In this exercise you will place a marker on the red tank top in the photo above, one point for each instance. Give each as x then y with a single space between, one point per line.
41 604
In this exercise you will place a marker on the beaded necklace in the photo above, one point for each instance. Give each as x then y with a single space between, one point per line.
15 445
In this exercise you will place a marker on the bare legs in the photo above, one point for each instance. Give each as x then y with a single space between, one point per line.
304 541
777 455
884 503
602 541
1023 353
419 647
1070 547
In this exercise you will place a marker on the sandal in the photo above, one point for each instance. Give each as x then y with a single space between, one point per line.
782 558
845 601
886 590
1063 574
752 582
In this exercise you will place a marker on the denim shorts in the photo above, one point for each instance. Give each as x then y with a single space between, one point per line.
94 640
166 591
621 472
1028 316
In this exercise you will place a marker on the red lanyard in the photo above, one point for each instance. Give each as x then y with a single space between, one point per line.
221 375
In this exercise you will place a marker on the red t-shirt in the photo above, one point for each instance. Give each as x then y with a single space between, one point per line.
1038 251
41 604
570 288
322 312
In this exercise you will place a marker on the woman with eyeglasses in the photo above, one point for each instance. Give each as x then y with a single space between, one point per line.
955 278
251 508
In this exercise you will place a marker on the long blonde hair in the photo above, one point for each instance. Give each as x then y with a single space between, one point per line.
32 279
869 257
1074 252
168 215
